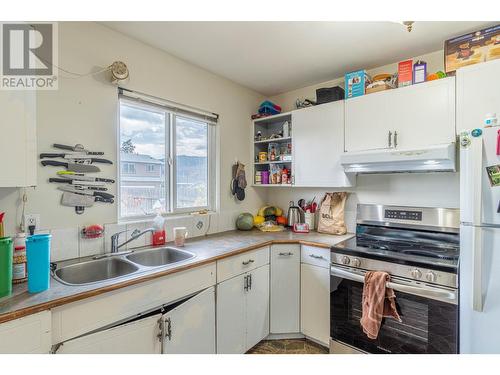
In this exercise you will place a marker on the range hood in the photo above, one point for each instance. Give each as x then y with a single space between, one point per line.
438 158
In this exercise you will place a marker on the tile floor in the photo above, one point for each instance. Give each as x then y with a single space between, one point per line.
290 346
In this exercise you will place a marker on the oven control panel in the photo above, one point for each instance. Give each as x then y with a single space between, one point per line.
403 215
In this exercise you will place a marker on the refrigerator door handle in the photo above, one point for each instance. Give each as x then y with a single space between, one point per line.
477 268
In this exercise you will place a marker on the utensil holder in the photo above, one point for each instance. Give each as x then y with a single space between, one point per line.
38 257
5 266
309 219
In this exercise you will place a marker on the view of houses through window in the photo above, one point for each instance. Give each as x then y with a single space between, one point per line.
148 182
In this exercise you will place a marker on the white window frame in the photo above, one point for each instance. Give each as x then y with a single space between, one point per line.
170 160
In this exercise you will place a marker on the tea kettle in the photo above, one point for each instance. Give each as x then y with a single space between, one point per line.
294 215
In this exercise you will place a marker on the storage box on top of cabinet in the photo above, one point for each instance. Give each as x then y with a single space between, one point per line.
18 138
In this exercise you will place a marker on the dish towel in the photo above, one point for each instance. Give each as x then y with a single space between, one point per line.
378 302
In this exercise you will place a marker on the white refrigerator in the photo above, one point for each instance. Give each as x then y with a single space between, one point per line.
478 97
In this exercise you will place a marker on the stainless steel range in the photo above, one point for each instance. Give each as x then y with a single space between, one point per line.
419 248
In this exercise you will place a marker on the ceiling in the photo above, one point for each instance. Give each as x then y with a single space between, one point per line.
275 57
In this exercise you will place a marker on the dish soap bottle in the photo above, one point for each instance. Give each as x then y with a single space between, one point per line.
159 236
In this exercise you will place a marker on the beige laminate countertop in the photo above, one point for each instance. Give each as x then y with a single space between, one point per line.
207 249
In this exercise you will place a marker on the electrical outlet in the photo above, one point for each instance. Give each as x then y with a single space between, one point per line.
31 220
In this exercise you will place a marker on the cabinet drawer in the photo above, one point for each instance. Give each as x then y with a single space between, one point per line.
27 335
317 256
238 264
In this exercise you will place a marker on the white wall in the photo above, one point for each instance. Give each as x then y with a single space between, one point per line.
429 189
84 110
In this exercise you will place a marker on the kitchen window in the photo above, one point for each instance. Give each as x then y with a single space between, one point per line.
167 157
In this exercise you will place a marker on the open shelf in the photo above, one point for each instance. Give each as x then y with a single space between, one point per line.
273 162
273 185
277 140
273 128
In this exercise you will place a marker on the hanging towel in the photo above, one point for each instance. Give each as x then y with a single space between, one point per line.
378 302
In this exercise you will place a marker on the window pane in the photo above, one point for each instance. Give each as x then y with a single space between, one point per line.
192 163
142 156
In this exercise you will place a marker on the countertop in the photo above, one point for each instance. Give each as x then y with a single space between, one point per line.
207 249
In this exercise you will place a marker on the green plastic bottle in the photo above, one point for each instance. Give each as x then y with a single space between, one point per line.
5 266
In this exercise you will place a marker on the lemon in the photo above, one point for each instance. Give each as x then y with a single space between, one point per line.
257 220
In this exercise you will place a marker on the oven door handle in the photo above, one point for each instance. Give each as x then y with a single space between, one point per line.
440 294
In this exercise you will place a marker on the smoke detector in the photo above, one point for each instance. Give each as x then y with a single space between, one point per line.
119 72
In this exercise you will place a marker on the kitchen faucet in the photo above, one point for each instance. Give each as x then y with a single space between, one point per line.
135 234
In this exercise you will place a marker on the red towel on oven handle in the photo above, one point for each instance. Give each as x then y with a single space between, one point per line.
378 302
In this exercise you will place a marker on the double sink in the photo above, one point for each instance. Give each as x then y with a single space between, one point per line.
117 266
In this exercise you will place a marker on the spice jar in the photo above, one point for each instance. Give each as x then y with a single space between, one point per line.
19 274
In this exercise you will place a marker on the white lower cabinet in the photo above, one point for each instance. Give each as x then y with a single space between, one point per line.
257 306
243 311
137 337
285 289
315 302
27 335
186 327
190 327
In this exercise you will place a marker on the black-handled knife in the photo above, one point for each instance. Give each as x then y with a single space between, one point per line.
104 200
51 155
77 190
80 168
77 148
82 177
73 157
87 186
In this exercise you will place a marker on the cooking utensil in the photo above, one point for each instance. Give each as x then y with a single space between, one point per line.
302 204
293 216
81 177
76 190
76 148
90 185
80 168
77 157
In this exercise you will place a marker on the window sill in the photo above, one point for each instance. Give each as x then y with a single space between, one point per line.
170 216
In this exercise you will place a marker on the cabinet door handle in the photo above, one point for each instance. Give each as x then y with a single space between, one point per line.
395 139
285 254
317 256
389 139
168 329
246 263
250 281
245 283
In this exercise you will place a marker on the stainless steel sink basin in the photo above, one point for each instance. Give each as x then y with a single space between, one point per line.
94 271
159 257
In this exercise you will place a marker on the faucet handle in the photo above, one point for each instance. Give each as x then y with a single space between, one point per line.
135 233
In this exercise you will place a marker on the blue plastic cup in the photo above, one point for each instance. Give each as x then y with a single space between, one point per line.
38 262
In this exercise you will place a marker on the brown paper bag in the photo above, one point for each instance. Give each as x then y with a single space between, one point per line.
331 214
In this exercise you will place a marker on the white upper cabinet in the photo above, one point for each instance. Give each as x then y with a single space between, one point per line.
367 122
18 138
405 118
318 142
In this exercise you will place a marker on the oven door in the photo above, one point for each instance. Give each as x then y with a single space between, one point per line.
429 316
